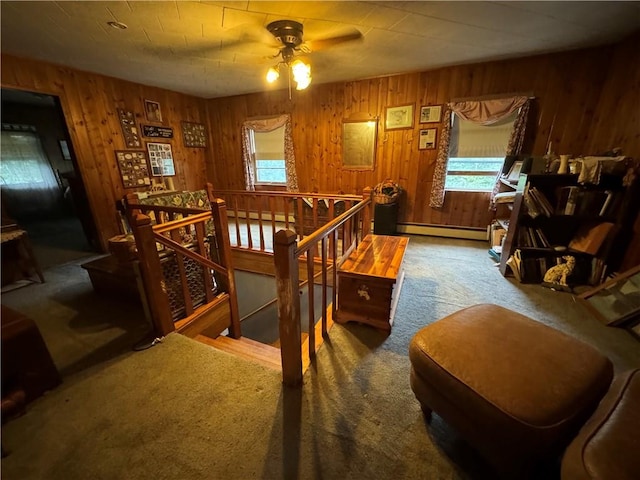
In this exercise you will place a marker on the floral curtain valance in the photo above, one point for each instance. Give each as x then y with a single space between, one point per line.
484 112
268 125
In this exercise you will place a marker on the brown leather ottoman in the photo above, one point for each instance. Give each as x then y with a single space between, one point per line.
515 389
608 446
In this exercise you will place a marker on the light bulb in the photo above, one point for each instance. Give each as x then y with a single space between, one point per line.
272 75
301 74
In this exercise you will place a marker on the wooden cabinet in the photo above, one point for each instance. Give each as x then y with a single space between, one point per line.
553 217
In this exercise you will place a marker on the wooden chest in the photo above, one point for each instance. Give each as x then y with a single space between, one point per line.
369 281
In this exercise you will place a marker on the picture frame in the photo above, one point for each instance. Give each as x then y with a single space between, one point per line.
129 128
617 301
194 135
133 168
399 117
161 159
431 114
513 175
152 111
427 139
154 131
359 144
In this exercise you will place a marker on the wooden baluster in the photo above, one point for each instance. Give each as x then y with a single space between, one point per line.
184 281
273 219
331 214
152 275
323 245
286 213
247 219
314 210
286 267
206 272
260 230
366 213
334 293
300 219
311 320
236 211
219 212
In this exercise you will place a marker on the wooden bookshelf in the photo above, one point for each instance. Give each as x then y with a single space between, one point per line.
554 216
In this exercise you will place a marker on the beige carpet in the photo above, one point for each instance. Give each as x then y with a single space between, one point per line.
182 410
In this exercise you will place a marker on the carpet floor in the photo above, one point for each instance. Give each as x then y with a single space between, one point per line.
182 410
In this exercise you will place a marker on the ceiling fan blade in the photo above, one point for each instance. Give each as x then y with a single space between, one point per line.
323 43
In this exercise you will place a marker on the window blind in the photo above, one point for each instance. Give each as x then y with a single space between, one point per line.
471 140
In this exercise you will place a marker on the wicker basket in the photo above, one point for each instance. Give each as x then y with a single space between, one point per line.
386 192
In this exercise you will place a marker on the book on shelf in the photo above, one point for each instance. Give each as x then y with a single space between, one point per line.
575 200
514 262
532 237
570 201
542 202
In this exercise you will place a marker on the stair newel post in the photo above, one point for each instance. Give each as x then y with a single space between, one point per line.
152 275
219 213
366 212
287 284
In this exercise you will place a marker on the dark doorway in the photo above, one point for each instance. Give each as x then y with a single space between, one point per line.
53 207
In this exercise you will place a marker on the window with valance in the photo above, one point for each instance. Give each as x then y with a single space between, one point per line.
475 139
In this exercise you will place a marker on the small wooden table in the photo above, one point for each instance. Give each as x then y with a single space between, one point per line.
369 281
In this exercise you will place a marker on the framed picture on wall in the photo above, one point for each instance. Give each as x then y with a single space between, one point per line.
152 111
398 117
133 168
430 114
129 128
427 139
359 144
194 135
161 159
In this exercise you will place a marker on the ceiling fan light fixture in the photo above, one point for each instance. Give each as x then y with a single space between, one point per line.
273 75
301 74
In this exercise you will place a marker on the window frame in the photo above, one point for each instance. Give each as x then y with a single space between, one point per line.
254 161
475 173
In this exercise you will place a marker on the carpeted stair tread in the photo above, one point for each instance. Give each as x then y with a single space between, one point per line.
246 348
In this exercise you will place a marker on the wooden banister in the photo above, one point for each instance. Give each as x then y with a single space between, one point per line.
152 274
219 211
286 267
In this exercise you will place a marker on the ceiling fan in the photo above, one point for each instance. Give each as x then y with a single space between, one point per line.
289 35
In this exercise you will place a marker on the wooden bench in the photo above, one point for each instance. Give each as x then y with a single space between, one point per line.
369 281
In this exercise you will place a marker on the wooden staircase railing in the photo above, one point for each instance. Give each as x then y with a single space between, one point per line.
187 268
355 224
257 216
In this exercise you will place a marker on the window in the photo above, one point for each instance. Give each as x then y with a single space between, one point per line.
477 153
23 162
268 157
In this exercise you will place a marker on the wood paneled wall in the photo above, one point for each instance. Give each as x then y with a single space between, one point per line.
89 103
586 102
577 96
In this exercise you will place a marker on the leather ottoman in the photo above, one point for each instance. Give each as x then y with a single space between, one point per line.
516 390
608 446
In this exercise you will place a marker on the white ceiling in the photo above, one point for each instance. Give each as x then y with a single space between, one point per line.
217 49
